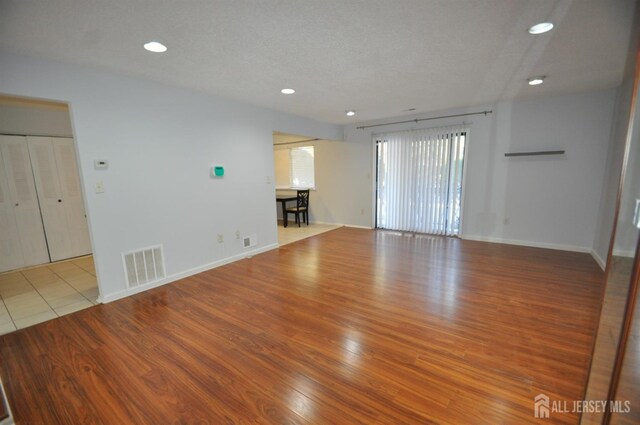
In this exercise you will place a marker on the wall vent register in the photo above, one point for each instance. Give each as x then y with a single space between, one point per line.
144 266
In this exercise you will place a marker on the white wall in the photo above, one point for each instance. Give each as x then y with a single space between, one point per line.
160 142
539 201
615 156
34 120
626 230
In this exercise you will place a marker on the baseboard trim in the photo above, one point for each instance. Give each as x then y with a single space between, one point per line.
559 247
624 253
181 275
599 260
355 226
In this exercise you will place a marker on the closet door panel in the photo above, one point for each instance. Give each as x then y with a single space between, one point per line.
72 195
10 248
50 196
22 193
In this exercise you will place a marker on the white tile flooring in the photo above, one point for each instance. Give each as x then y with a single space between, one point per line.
41 293
293 233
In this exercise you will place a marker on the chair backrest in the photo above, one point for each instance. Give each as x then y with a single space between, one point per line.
303 198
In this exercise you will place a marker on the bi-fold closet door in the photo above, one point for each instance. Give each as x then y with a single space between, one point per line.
56 177
42 215
22 240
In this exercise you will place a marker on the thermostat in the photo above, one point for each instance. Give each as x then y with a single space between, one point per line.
217 171
100 164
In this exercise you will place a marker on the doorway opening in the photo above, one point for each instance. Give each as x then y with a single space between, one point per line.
299 164
46 266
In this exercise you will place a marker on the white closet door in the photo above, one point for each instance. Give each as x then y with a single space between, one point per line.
50 196
69 179
25 244
10 248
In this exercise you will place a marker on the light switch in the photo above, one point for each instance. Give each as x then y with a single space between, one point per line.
99 187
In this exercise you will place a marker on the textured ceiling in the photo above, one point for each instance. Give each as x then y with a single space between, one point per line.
377 57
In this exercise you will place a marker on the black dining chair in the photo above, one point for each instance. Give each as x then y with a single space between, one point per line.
302 207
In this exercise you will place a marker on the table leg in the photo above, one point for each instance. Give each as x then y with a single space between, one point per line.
284 213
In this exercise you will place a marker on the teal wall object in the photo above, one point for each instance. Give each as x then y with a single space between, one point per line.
218 171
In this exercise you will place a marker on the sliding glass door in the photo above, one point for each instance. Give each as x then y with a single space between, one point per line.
419 180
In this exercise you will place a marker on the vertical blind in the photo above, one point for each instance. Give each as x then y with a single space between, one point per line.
419 180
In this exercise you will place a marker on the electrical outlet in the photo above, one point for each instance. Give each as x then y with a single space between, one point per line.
237 234
220 238
268 179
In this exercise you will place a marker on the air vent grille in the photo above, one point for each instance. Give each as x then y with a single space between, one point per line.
143 266
249 241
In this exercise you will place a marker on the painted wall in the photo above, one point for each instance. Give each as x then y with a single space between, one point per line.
615 156
539 201
160 142
628 217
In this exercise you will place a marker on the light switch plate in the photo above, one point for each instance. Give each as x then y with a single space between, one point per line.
99 187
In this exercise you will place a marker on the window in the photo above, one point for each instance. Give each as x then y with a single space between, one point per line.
295 168
419 180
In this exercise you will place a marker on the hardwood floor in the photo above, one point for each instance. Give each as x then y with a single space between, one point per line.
348 327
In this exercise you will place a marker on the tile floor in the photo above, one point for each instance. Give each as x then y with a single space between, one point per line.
293 233
41 293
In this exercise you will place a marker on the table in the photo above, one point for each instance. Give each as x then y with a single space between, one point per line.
283 199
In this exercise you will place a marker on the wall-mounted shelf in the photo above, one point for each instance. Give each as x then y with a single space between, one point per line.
509 154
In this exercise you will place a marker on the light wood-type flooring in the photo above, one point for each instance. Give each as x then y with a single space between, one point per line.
348 327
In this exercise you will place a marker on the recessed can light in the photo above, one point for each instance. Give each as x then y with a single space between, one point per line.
541 28
287 91
536 80
350 113
155 47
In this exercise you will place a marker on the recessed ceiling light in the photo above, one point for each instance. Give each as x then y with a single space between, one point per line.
155 47
536 80
287 91
541 28
351 113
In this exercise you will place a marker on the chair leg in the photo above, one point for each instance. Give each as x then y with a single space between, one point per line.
298 215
